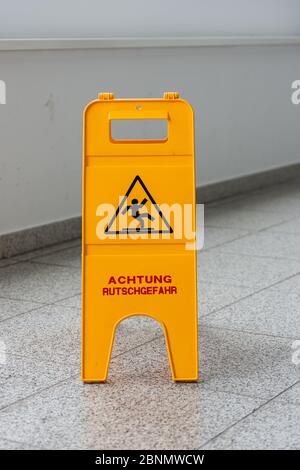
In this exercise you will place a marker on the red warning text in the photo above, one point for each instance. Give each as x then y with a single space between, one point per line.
161 284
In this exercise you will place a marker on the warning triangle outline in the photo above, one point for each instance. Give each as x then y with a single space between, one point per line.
143 231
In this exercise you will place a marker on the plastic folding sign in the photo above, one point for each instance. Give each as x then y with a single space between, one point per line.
138 196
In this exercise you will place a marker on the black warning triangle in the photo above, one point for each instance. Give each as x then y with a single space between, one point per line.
136 214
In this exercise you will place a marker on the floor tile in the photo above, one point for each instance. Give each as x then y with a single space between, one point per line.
10 308
273 427
39 282
23 376
215 236
250 364
293 227
274 311
215 295
272 244
215 265
138 408
69 257
71 415
53 333
50 333
153 425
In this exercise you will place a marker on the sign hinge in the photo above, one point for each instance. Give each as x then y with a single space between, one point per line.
171 95
106 96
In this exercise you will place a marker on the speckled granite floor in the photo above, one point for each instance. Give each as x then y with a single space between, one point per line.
249 316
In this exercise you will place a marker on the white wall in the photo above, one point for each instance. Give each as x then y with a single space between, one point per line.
106 18
245 121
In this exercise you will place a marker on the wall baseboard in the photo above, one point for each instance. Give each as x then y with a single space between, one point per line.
20 242
37 44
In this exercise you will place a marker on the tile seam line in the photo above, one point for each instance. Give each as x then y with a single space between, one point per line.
250 255
245 255
41 306
229 205
285 233
253 293
214 327
277 258
24 313
249 414
53 362
3 297
220 283
54 264
20 356
41 263
14 403
282 223
66 298
246 231
258 193
40 361
251 231
248 209
238 394
221 244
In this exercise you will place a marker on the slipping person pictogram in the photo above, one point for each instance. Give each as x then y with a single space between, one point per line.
138 211
135 208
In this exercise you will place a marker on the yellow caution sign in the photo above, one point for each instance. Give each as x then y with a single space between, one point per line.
138 252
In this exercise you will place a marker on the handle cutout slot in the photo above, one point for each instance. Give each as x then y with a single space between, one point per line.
139 130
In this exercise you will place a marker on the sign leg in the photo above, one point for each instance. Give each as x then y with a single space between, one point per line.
97 344
181 338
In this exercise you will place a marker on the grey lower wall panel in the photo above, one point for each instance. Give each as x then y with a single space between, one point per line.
245 184
15 243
